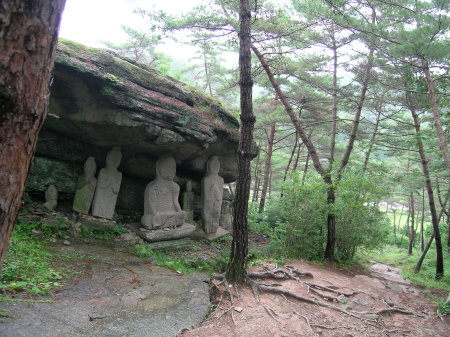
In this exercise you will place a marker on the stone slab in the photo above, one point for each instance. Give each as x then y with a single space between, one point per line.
388 273
118 295
217 235
166 234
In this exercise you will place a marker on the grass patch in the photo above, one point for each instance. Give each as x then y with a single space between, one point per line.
106 233
28 263
183 265
399 258
9 299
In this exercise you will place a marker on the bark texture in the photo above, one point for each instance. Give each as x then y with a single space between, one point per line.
28 37
236 271
267 167
437 118
426 173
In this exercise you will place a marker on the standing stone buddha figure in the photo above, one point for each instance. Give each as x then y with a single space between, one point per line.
85 188
108 186
212 193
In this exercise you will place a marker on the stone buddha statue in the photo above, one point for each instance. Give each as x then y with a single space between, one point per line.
212 193
85 187
51 198
188 202
161 207
108 186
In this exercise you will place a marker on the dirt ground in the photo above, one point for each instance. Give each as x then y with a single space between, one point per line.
330 302
346 305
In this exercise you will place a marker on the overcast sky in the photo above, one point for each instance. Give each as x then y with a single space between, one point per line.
91 22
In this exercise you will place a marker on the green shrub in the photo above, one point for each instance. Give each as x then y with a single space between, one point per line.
297 223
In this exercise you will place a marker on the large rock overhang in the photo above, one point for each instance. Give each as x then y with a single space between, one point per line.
99 100
104 100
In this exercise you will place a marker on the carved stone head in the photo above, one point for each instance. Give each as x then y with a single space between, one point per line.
213 165
113 157
90 167
166 167
51 193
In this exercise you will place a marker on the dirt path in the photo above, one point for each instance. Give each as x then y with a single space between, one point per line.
279 316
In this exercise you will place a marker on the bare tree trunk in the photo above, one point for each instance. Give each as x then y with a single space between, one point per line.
405 227
437 119
28 37
445 210
267 166
325 174
395 231
422 239
426 173
293 152
360 104
411 226
372 140
430 241
299 149
256 185
270 183
236 270
305 171
334 103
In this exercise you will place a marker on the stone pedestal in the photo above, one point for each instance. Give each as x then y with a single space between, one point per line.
165 234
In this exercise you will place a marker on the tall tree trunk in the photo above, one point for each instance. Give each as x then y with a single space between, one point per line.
411 226
359 107
430 241
28 37
270 183
372 140
437 119
267 167
334 94
405 228
297 157
426 173
445 210
293 152
395 231
256 184
325 174
236 270
331 223
290 111
422 220
305 171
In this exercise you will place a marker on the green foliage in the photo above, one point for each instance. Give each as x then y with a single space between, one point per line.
106 233
296 223
57 229
359 222
444 308
180 264
27 265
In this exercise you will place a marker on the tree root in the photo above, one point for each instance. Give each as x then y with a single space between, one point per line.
388 310
290 273
320 325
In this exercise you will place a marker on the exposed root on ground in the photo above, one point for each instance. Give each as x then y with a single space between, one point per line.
328 293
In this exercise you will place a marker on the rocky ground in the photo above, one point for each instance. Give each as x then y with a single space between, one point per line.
109 291
324 302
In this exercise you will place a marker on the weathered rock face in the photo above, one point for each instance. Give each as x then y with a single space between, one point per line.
99 100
